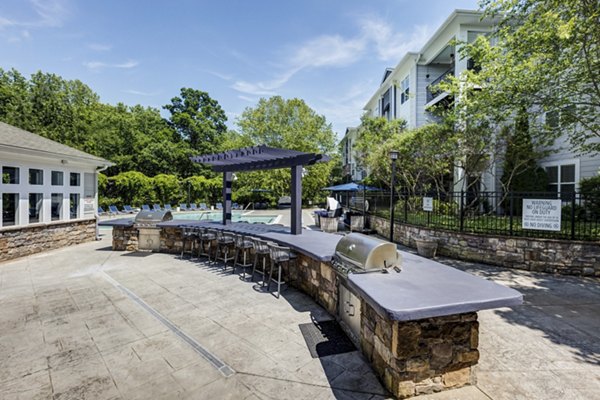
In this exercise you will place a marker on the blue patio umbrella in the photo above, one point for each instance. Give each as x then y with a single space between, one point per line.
349 187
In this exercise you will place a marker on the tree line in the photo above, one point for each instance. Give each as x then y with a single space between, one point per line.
152 153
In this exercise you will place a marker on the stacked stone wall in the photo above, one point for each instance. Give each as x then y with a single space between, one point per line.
565 257
20 241
423 356
125 238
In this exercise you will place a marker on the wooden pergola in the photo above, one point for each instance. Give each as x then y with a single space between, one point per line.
258 158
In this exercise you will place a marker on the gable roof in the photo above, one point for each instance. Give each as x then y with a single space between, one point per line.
388 72
19 140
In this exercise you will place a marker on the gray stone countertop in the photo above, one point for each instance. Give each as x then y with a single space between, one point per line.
120 222
425 288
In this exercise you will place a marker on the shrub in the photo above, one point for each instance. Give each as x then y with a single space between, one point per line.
167 189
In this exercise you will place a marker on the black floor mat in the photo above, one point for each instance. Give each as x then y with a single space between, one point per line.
325 338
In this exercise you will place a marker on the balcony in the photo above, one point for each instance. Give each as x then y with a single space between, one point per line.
434 92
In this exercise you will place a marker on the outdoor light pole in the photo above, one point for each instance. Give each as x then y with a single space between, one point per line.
393 157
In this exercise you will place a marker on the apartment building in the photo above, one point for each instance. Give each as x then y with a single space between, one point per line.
408 90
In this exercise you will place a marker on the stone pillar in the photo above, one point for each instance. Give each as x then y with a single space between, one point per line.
421 357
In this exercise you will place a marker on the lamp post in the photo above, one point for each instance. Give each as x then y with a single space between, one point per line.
393 157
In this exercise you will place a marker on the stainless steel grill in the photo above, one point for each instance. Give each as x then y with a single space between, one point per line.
148 233
358 254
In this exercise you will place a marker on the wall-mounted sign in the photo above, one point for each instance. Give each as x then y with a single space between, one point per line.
541 214
427 203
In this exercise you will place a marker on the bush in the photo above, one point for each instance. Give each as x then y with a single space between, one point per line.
167 189
132 187
590 191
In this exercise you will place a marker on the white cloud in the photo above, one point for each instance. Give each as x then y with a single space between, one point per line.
140 93
219 75
338 51
248 98
51 13
393 45
98 65
99 47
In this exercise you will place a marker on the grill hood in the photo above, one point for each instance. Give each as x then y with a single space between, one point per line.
362 253
152 217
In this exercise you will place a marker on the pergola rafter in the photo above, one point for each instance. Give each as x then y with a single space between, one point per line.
258 158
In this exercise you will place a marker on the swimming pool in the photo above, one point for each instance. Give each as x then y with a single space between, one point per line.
218 216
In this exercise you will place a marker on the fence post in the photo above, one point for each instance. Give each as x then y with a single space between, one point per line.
462 210
511 213
573 216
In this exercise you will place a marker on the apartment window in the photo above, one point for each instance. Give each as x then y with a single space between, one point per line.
10 175
35 207
10 203
75 179
36 176
561 178
56 206
74 205
57 178
404 90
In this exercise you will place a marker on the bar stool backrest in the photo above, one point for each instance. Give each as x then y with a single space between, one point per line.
260 246
279 253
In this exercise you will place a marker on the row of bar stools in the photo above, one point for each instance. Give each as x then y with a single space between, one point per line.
189 235
243 248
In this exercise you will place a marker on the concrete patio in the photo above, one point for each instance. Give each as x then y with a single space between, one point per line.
86 322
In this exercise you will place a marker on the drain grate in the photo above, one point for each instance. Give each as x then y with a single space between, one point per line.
325 338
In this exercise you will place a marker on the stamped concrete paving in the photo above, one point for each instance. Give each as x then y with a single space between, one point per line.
67 332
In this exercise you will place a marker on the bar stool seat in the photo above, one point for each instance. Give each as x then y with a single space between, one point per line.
279 255
188 235
261 251
243 248
225 244
206 238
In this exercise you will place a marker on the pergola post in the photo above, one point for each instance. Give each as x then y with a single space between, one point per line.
296 186
227 179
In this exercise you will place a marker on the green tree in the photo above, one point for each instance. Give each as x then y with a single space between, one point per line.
198 119
545 56
288 124
131 187
167 189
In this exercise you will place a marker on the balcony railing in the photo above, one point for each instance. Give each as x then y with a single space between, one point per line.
432 90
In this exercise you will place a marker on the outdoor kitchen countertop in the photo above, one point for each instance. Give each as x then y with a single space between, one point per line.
425 288
120 222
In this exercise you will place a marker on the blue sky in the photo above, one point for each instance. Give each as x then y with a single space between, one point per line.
331 53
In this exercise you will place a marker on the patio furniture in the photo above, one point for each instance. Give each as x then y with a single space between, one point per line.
261 251
225 244
168 207
156 207
101 211
112 209
190 236
219 206
193 207
284 202
279 255
145 207
128 209
183 207
243 247
235 206
202 207
207 238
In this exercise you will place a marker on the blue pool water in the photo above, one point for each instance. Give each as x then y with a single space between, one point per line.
218 215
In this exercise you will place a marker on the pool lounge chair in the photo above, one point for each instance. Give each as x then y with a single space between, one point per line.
112 209
145 207
235 206
101 211
168 207
183 207
128 209
156 207
219 206
203 207
193 207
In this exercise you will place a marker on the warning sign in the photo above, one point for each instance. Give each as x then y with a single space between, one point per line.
428 203
541 214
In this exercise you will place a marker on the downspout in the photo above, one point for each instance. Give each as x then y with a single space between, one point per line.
97 217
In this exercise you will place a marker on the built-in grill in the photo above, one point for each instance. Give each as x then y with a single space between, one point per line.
358 254
148 232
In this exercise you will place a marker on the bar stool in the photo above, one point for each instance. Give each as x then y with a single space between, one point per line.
188 235
243 247
223 251
279 256
206 237
261 250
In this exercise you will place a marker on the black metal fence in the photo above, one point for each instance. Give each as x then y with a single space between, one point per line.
495 213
